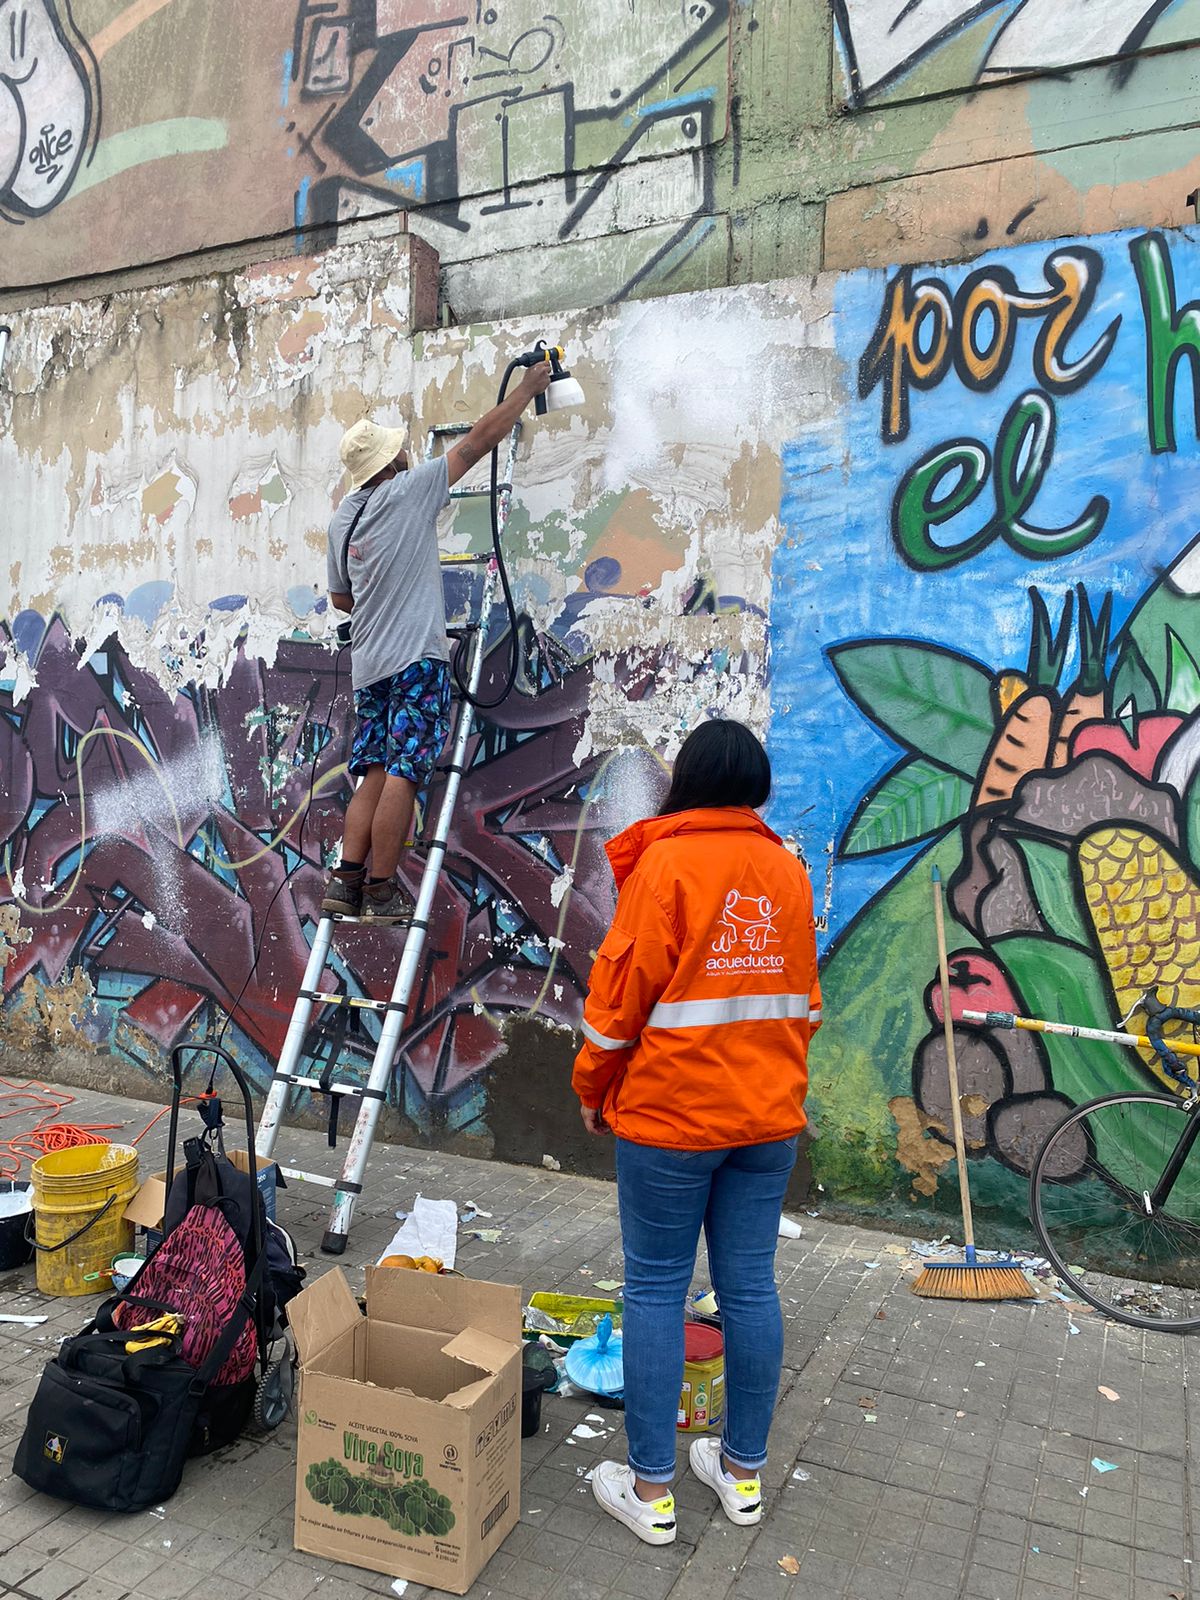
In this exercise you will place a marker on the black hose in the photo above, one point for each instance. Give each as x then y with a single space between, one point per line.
514 653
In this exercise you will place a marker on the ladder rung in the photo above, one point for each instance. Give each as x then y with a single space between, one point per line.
463 561
468 494
442 428
332 1088
309 1177
321 998
379 922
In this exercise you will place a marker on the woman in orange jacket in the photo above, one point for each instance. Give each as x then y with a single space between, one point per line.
701 1005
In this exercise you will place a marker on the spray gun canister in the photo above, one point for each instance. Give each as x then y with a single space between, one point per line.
564 391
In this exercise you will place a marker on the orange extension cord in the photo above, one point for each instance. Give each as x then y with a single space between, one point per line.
47 1135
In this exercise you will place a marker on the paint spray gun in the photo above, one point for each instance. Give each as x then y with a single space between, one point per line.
564 391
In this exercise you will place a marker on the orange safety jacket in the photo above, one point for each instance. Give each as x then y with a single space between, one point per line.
704 994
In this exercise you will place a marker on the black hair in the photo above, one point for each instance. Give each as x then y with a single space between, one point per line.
720 764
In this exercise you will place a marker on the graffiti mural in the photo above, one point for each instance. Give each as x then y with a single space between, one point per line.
506 129
1002 671
462 108
49 105
894 49
164 856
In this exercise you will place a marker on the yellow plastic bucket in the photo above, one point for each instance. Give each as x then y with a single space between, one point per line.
79 1200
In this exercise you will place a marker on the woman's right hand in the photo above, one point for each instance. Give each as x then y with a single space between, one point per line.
594 1121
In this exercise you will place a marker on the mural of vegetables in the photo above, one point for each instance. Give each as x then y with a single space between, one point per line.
1067 820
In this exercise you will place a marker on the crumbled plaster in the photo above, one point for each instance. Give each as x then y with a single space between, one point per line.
52 1014
12 934
924 1158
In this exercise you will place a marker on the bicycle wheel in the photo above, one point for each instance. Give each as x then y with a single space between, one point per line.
1089 1198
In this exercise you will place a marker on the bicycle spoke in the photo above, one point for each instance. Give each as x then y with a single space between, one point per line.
1093 1189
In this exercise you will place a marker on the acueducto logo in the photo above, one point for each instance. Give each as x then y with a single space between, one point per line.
747 920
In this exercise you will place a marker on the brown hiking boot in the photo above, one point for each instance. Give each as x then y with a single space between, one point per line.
343 894
387 902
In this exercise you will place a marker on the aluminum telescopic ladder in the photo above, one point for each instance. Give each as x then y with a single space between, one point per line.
394 1011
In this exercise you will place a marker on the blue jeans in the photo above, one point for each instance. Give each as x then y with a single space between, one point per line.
665 1197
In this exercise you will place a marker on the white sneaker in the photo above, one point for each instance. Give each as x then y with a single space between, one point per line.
741 1500
652 1520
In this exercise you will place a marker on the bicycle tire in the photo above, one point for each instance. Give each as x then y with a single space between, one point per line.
1041 1181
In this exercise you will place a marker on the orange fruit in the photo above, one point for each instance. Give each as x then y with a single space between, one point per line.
428 1264
397 1261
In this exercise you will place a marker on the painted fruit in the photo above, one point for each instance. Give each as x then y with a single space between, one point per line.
977 983
428 1264
397 1261
1139 753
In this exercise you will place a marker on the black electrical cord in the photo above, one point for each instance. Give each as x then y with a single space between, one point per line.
514 651
299 862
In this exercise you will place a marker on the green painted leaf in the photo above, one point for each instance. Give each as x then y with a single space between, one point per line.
929 699
1132 682
1059 983
1183 676
916 799
862 1059
1053 887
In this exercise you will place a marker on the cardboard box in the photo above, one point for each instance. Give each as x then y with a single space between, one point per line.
409 1439
145 1210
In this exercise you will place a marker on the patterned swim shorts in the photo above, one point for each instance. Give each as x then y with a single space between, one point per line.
403 722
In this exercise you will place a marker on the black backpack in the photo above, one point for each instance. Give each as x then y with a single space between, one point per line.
210 1178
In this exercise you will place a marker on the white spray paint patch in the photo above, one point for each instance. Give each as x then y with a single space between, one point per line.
179 788
688 369
561 884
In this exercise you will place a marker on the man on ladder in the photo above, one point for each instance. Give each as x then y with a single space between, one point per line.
383 567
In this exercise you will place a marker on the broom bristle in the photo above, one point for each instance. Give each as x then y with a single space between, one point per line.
958 1281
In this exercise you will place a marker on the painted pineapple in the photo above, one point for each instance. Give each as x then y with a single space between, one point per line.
1146 911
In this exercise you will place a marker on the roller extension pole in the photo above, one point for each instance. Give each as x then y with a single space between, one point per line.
1008 1019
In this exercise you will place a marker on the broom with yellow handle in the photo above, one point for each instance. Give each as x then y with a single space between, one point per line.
968 1279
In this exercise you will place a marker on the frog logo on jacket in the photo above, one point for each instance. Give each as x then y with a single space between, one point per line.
746 919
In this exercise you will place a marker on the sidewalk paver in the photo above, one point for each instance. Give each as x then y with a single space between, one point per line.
921 1448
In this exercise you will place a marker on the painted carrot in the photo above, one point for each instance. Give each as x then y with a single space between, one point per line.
1087 700
1023 740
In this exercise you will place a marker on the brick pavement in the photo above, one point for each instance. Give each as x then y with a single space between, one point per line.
973 1480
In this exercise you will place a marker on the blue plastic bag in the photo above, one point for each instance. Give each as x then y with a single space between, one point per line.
598 1364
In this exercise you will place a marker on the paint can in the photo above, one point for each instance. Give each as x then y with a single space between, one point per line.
702 1399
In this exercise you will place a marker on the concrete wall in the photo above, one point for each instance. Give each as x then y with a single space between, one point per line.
932 530
594 155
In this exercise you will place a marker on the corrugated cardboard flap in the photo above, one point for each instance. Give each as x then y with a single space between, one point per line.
481 1350
443 1304
146 1208
321 1312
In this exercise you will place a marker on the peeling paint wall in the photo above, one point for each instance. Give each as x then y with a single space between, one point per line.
173 711
592 155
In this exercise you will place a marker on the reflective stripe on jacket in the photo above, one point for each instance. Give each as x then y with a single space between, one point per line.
704 994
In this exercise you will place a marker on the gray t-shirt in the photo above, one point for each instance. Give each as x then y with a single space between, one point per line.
399 614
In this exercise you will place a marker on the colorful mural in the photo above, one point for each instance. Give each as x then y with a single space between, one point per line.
1000 667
